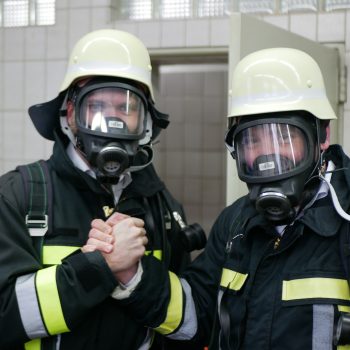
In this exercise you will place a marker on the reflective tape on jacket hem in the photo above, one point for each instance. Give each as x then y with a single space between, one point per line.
315 287
49 301
53 255
28 306
232 279
174 312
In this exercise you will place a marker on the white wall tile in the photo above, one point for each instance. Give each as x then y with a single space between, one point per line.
1 44
173 33
13 85
13 136
9 164
79 25
57 37
35 43
34 143
149 33
127 26
61 4
304 25
347 31
97 3
101 18
13 44
79 3
331 27
56 71
34 83
219 31
197 32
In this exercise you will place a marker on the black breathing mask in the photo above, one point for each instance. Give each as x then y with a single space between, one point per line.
276 155
111 120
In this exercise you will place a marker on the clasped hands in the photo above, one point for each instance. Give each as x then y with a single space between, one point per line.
121 240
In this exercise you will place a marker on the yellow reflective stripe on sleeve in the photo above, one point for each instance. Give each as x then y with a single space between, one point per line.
174 312
34 344
343 308
156 253
53 254
49 301
343 347
232 279
316 287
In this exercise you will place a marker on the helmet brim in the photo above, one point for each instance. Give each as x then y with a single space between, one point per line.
46 116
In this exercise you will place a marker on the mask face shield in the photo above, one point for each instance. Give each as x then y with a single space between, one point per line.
275 156
111 119
270 149
109 110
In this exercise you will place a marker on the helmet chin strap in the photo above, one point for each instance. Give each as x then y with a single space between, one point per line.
327 180
64 123
67 130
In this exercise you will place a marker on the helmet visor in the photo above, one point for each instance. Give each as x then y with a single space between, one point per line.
115 111
271 149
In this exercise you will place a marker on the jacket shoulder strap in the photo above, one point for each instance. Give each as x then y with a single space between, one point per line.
38 195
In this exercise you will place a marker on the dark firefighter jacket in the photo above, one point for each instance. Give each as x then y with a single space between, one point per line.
251 289
66 292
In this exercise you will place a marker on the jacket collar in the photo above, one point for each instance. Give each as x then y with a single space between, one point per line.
322 216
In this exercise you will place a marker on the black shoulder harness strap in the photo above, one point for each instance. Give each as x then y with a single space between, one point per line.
39 198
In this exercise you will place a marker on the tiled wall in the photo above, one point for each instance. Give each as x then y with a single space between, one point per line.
191 154
190 159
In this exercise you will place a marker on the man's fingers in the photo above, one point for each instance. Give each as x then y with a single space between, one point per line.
88 248
101 236
116 217
100 245
101 225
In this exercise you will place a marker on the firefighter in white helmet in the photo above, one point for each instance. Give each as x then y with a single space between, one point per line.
103 122
274 273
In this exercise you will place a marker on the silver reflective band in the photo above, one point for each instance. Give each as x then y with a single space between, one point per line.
28 307
323 324
190 324
148 340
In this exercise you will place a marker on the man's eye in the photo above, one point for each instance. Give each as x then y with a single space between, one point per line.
96 106
249 141
127 108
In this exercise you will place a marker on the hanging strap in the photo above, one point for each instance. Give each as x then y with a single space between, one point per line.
38 194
